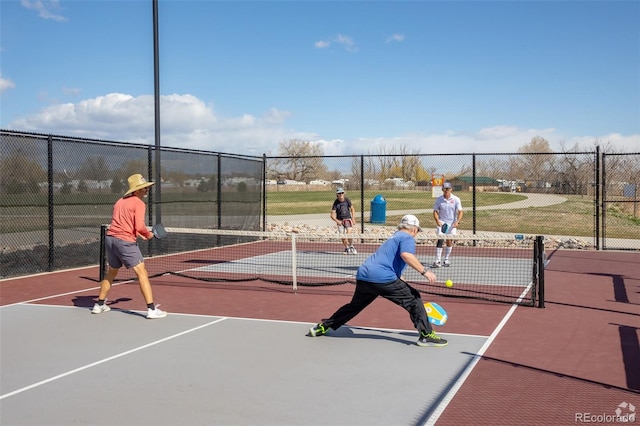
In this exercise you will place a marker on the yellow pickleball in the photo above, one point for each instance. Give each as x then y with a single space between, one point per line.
448 283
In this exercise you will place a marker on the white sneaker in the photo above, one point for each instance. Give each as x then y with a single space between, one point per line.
353 250
436 264
447 263
98 309
155 313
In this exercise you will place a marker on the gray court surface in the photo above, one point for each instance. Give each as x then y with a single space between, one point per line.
64 366
496 271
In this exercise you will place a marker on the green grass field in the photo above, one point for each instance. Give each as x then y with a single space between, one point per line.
288 203
574 217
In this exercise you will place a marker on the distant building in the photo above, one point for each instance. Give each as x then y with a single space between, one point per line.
483 183
398 182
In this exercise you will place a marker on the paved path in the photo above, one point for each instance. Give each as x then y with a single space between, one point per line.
323 219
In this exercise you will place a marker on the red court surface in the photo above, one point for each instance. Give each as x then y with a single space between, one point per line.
577 360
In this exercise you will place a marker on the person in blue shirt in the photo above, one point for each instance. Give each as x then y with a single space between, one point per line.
381 275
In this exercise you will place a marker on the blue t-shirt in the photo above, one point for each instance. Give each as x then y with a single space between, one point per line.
386 265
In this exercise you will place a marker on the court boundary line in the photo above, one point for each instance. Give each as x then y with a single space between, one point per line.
64 294
19 277
357 327
111 358
439 410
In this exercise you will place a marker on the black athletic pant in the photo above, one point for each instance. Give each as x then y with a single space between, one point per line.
399 292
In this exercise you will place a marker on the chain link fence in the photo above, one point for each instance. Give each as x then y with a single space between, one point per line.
620 196
56 192
561 195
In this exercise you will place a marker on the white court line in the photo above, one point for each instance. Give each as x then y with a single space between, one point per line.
467 371
46 273
353 327
63 294
93 364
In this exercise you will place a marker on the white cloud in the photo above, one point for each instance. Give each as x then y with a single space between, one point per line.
5 84
616 141
45 8
346 41
275 116
497 139
497 132
187 122
395 37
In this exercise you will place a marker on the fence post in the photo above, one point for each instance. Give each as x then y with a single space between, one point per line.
603 212
219 190
50 259
362 194
473 196
264 191
596 201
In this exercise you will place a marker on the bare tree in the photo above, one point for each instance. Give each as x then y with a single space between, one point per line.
395 161
20 173
535 163
384 161
409 162
574 171
298 160
94 168
493 167
132 167
356 171
176 176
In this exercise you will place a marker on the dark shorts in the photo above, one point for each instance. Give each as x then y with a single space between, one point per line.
120 252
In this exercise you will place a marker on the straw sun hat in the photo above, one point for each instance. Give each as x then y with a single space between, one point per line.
136 182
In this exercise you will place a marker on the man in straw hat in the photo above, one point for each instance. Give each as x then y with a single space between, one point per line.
127 223
381 275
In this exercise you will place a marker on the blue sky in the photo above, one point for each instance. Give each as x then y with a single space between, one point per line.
352 76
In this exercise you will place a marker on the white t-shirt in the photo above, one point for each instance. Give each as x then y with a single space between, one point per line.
447 208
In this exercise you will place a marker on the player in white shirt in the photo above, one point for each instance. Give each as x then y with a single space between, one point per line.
447 211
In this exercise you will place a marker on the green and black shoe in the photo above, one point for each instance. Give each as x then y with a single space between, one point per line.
431 339
318 330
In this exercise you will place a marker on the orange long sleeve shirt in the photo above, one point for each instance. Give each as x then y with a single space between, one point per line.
127 221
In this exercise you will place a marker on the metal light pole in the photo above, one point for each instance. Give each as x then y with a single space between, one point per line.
156 91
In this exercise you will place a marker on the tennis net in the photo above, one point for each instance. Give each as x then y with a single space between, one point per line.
497 268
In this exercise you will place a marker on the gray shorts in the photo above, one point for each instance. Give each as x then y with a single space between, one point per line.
346 225
120 252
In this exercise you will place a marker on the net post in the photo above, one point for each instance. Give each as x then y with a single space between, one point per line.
534 273
103 260
541 265
294 263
